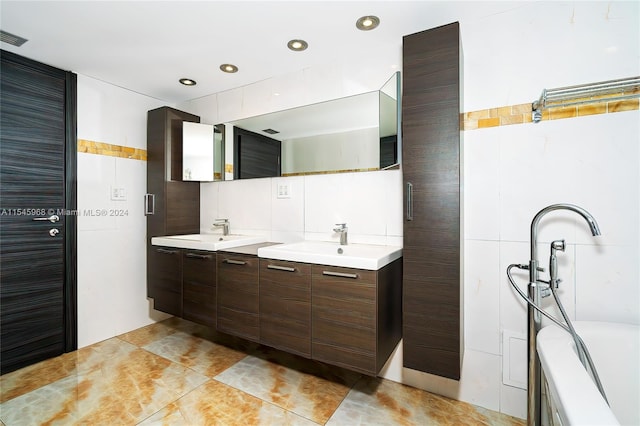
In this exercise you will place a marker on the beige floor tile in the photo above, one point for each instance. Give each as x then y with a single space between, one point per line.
215 403
180 373
200 355
114 383
374 401
310 389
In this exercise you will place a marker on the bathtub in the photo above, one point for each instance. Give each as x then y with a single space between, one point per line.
573 397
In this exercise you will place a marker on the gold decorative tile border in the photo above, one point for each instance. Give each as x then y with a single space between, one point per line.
101 148
328 172
519 114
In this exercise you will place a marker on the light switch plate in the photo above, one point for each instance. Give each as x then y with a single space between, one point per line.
118 194
284 190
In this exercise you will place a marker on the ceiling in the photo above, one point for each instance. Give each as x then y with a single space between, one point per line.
147 46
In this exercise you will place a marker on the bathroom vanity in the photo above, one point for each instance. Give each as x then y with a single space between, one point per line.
344 316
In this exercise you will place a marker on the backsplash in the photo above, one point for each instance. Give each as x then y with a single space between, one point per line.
370 203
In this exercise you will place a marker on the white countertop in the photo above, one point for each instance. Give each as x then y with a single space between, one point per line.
361 256
207 242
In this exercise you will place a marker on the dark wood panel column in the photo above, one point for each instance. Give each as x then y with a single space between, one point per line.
176 203
431 170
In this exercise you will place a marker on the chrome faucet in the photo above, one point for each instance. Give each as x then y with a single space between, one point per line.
536 290
222 223
342 229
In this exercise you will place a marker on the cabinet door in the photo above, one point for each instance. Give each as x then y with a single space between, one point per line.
431 171
199 287
285 306
238 303
165 279
344 317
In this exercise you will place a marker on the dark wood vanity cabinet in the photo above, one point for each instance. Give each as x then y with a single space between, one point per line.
431 106
166 276
238 295
356 320
172 206
199 287
285 306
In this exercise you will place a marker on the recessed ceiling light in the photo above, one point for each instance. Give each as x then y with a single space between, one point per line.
230 68
367 23
297 45
187 82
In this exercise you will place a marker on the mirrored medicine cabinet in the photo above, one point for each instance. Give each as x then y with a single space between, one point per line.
355 133
202 152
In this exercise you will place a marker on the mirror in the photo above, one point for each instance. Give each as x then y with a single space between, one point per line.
202 152
355 133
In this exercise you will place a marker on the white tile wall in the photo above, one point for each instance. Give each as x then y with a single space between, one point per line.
317 203
482 184
247 205
111 249
287 214
607 283
482 296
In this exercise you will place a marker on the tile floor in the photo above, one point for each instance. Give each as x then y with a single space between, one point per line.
178 373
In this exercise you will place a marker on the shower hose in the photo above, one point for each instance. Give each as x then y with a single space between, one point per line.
581 348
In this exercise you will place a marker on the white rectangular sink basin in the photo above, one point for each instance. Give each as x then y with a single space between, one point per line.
361 256
209 242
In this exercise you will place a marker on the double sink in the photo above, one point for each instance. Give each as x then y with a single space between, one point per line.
361 256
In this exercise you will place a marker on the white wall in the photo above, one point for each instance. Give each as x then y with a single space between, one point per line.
316 204
509 174
111 249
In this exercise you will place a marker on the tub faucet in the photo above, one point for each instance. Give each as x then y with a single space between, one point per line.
222 223
341 228
535 290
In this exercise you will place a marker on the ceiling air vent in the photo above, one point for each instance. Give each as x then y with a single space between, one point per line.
12 39
271 131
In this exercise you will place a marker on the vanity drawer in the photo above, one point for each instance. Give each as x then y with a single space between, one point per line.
164 278
238 295
199 287
285 306
344 317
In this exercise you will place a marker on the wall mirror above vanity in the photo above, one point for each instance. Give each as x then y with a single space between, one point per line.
355 133
202 152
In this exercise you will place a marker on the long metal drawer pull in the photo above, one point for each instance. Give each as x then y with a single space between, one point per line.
165 251
235 262
198 256
409 201
149 207
339 274
281 268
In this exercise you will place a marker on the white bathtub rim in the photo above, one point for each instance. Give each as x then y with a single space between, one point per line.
570 385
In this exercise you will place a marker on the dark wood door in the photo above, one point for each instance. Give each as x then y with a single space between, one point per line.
199 287
165 272
238 295
255 155
285 306
431 173
37 181
343 317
